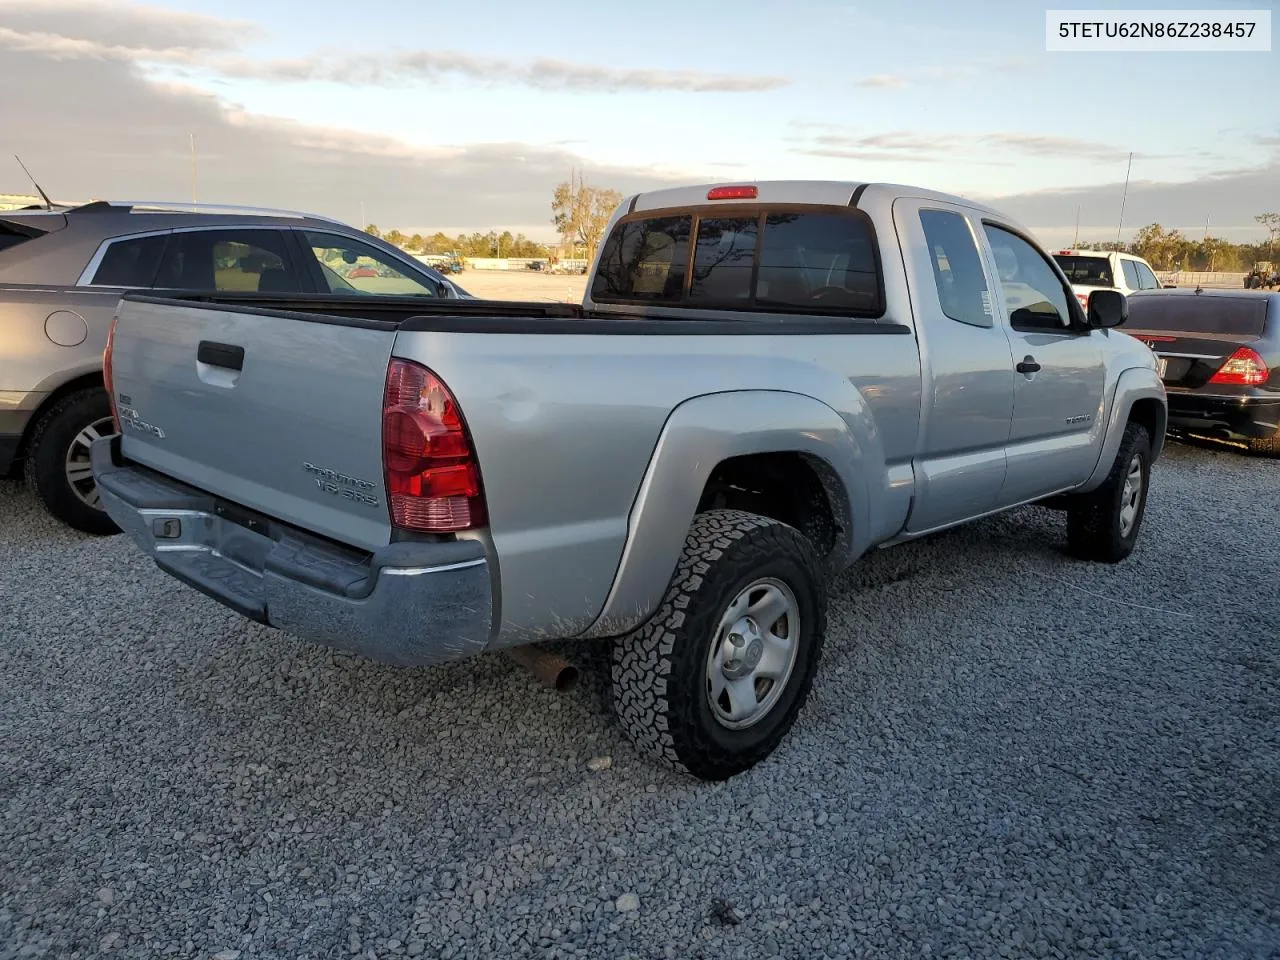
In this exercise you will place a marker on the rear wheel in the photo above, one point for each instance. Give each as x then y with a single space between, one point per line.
712 683
1103 525
57 461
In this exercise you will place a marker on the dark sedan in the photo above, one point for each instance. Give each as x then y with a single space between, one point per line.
1219 357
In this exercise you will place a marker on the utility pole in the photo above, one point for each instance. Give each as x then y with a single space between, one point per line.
193 170
364 223
1076 241
1125 197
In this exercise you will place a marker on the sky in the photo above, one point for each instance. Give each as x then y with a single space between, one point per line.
398 114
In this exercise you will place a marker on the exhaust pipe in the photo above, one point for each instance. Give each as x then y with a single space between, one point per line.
554 671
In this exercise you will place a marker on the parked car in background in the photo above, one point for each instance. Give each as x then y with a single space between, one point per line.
63 269
1090 270
1219 357
764 382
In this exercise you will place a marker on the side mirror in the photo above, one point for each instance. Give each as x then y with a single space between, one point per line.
1107 308
349 256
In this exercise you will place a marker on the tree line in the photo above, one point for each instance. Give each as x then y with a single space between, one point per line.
1172 250
491 244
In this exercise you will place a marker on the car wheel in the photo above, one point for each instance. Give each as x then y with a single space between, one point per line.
57 461
1103 525
714 680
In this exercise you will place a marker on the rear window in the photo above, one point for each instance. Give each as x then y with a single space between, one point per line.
1087 271
130 263
1227 316
809 262
644 260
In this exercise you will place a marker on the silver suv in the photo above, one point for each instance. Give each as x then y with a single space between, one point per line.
63 269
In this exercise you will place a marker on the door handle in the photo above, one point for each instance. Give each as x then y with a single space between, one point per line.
1028 365
220 354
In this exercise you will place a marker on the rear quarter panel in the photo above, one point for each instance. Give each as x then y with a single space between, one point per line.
49 336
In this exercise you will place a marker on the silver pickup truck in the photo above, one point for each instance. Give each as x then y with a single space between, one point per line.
764 382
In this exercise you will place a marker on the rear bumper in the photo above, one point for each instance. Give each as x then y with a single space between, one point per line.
1244 416
406 604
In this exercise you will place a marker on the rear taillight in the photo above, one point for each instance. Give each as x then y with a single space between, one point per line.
1084 300
1244 368
433 480
107 378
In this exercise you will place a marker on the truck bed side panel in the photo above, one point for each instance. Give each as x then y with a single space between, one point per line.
565 427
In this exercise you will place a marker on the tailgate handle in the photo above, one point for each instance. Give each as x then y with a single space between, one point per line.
220 354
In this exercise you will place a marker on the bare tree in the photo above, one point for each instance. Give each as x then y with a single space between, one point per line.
582 212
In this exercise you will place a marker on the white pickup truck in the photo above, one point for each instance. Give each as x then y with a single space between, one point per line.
764 382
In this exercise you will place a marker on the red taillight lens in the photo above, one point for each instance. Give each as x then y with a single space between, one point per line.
433 481
743 192
1244 368
1084 300
107 378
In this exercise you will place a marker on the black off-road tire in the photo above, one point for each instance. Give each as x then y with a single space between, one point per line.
659 671
1093 519
45 465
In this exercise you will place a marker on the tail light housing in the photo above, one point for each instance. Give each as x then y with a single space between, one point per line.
433 479
1244 368
108 378
1084 300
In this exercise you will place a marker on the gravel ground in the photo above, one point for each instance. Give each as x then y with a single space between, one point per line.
1007 753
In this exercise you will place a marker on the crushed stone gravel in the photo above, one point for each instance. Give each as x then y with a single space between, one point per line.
1006 754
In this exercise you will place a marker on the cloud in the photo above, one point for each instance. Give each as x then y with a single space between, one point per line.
118 25
982 149
119 135
199 44
416 66
1229 200
949 73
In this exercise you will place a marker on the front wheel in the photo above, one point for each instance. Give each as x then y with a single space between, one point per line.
1103 525
712 683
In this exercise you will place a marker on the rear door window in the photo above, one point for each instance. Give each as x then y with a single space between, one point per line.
1131 279
252 261
644 260
1179 313
957 268
131 262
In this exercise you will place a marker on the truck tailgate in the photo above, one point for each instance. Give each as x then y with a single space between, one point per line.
279 413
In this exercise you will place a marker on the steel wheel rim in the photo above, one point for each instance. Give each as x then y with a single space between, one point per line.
753 653
1131 496
78 472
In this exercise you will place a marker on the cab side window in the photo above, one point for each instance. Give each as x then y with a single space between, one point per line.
957 268
1147 279
1033 295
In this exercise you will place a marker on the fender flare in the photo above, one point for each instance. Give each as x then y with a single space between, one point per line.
698 435
1133 385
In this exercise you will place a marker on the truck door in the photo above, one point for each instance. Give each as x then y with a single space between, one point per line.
966 366
1059 392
